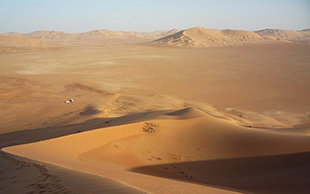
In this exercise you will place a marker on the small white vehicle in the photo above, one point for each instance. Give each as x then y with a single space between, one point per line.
68 101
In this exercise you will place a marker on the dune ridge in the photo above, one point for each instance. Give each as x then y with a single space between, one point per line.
192 37
102 34
107 138
218 120
202 37
286 35
15 43
119 152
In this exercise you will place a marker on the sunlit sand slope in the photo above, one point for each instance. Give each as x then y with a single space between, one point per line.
184 146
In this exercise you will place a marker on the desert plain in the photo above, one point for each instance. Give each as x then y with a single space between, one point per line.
180 111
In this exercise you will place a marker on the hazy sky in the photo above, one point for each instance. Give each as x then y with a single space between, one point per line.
150 15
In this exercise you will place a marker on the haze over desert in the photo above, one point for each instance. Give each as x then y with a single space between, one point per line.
194 109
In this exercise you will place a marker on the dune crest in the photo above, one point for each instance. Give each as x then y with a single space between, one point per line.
161 120
192 37
15 43
286 35
187 113
102 34
202 37
175 149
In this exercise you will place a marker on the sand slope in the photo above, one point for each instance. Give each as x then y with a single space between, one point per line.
286 35
11 34
119 90
159 33
47 35
193 37
95 34
102 34
178 150
14 43
202 37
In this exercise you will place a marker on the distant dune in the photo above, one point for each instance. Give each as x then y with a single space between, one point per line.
193 37
160 33
202 37
11 34
46 35
93 35
109 34
286 35
15 43
148 119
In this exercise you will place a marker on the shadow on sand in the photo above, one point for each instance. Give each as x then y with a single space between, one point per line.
40 134
289 173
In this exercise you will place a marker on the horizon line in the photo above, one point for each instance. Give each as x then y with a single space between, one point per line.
68 32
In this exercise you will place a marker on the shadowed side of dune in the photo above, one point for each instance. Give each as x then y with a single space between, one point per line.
202 37
39 134
187 113
287 173
193 150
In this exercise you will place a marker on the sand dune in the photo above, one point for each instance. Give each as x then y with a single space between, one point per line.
154 119
267 174
159 34
194 139
187 113
202 37
193 37
26 136
175 150
109 34
47 35
16 43
286 35
11 34
102 34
